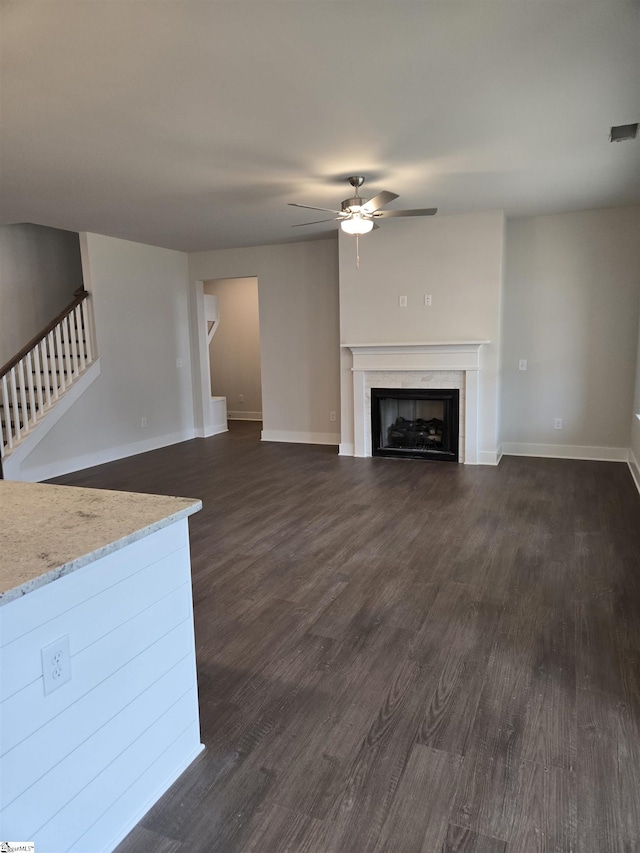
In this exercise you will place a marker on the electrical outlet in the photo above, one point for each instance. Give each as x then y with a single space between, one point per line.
427 299
143 423
241 398
402 301
332 416
56 664
522 364
178 362
557 423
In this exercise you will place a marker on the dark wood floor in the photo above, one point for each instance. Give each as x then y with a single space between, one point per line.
404 657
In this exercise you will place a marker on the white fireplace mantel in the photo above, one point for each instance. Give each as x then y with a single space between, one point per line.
405 357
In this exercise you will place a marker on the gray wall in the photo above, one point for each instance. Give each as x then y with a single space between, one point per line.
140 300
40 269
234 352
572 288
299 336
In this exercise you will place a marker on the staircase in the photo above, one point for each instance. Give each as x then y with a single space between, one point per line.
40 375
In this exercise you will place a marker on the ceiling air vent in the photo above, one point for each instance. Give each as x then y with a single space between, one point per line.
621 132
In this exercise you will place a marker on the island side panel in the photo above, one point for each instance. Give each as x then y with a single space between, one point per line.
81 765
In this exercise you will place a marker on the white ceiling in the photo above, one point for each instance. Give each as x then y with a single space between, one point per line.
191 123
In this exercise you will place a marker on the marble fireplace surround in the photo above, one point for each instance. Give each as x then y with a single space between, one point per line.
452 364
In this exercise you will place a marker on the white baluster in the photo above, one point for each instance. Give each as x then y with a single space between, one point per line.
74 346
51 346
23 395
67 351
86 325
62 383
78 318
14 400
28 368
38 377
46 379
7 412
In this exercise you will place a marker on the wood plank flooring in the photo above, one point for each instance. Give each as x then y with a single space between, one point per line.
403 657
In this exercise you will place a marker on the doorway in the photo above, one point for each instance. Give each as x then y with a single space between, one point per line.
234 347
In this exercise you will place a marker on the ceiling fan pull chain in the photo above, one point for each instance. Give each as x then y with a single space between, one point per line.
357 253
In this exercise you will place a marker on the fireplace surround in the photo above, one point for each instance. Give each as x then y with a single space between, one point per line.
415 366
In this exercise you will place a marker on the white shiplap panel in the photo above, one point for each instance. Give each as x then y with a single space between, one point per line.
169 696
92 619
109 830
41 605
51 743
29 709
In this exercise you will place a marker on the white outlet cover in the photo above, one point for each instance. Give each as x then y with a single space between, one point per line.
427 299
56 664
522 364
402 301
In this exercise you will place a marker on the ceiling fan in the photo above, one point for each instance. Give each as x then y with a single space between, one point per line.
357 216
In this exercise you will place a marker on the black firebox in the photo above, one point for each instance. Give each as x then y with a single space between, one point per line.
415 422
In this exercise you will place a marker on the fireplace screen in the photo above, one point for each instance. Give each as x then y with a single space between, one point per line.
415 422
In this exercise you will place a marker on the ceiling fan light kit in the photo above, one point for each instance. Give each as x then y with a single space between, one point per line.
357 224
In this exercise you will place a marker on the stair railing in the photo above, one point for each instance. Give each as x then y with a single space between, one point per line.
33 380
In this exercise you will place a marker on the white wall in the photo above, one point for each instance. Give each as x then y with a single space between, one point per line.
140 301
572 286
299 338
458 261
234 352
39 271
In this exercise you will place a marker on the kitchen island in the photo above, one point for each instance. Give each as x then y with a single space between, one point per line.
98 692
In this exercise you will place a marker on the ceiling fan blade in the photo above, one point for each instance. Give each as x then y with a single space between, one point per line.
426 211
301 224
378 201
309 207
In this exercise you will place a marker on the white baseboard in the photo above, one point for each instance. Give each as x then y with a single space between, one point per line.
634 467
244 416
489 457
216 429
89 460
567 451
346 449
300 437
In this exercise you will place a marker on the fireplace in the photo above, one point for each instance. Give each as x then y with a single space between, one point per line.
415 423
428 366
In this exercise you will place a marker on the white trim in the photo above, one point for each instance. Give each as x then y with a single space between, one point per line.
213 430
416 346
300 437
160 790
394 358
566 451
244 416
489 457
112 454
346 449
632 462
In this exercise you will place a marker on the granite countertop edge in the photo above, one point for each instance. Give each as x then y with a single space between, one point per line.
90 557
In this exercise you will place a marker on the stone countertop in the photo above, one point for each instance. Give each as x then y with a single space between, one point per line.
47 531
